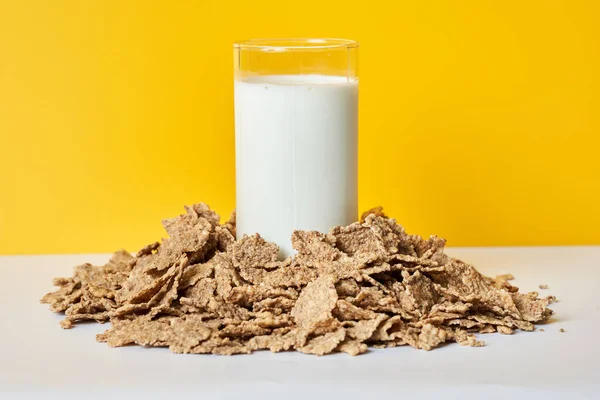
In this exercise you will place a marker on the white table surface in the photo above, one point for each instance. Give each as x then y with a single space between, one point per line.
38 359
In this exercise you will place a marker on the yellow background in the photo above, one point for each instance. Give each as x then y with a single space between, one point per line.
479 120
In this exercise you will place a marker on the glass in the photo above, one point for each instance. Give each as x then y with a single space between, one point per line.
296 127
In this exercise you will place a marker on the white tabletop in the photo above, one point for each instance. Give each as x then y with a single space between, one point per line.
41 360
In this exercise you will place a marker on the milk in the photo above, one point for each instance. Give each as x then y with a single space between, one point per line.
296 155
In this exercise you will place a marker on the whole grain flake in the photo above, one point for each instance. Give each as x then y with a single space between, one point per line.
368 284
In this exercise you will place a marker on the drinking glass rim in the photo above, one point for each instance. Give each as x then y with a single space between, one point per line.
294 44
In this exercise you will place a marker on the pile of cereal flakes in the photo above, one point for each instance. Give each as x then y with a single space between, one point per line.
365 284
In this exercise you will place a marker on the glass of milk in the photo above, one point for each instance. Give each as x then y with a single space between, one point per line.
296 133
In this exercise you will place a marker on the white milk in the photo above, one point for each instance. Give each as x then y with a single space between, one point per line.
296 155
